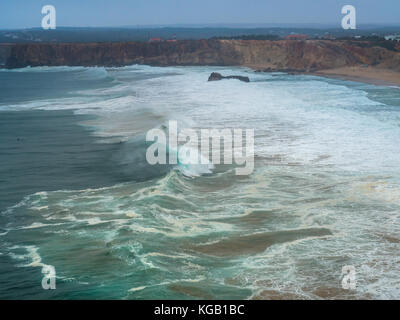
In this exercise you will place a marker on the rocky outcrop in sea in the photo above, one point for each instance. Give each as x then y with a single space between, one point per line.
215 76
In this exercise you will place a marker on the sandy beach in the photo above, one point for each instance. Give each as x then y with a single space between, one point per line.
366 74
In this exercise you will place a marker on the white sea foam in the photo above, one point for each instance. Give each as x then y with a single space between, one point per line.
30 69
303 121
327 155
32 255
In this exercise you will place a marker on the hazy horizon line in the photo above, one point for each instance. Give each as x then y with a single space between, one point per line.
222 25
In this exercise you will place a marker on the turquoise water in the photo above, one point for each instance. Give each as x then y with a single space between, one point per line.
76 192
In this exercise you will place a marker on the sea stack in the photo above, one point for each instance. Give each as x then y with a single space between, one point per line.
215 76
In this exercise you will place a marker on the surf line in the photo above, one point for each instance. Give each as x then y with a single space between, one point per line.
187 147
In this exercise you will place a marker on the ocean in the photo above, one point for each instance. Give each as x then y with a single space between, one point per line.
77 194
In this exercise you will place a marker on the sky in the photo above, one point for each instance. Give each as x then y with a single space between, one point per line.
113 13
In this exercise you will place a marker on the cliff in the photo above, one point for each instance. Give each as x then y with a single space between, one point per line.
284 55
314 55
188 52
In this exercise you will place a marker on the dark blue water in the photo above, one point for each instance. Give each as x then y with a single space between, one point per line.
49 150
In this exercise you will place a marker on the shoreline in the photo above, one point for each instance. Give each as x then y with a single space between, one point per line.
367 74
363 74
370 75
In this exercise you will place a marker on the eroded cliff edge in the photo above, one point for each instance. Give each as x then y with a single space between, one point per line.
284 55
188 52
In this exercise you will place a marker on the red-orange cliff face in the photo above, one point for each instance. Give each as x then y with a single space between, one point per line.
291 55
313 55
188 52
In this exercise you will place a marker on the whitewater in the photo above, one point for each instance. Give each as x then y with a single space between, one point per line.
78 194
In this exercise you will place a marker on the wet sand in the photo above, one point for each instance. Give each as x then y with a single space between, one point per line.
367 74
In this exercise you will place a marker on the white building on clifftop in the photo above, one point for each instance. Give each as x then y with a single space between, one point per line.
394 37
